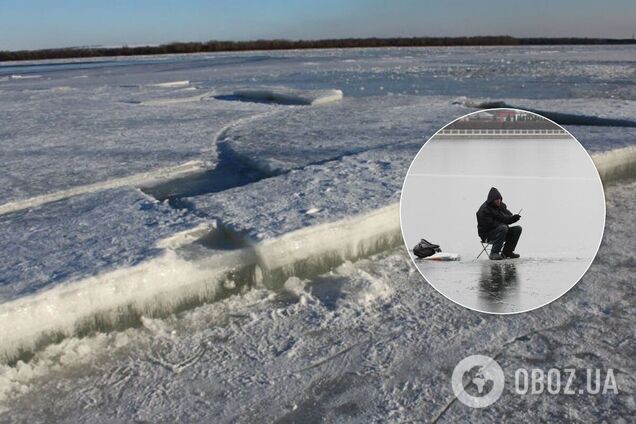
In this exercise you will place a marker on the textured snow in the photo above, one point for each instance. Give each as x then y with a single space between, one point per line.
317 194
81 236
369 341
296 137
57 140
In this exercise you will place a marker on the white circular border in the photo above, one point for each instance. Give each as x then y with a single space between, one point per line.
597 247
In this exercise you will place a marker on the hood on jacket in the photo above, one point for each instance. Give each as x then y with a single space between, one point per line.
493 194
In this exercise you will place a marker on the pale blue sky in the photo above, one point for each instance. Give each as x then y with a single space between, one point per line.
35 24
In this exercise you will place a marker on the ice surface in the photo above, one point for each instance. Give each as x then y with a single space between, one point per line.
296 137
82 113
309 227
58 140
367 341
530 71
337 210
322 350
82 236
317 194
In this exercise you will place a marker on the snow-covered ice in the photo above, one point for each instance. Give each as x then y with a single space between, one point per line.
81 236
316 194
368 341
56 141
293 138
156 311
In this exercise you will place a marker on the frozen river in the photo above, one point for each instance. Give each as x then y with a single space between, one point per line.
217 237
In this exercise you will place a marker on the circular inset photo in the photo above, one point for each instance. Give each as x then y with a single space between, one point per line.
502 211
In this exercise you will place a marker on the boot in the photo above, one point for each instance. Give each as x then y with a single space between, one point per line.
495 257
510 255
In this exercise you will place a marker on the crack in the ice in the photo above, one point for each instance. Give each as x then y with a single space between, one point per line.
564 118
325 360
229 173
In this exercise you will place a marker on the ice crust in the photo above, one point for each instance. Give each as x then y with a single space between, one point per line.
58 141
296 137
366 341
82 236
149 178
317 194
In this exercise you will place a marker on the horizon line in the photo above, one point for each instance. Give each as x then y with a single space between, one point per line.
176 47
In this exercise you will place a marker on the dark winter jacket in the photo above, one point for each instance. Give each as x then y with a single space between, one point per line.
490 217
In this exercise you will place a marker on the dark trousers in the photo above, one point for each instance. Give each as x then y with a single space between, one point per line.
502 234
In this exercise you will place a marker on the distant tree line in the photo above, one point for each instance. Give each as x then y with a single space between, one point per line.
230 46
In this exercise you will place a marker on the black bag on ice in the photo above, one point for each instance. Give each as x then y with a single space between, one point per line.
425 249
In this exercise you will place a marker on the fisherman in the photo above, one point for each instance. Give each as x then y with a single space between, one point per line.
493 220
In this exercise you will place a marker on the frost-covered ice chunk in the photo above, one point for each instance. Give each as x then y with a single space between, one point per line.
295 137
171 84
366 320
82 236
289 96
616 164
151 178
174 101
56 141
333 191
